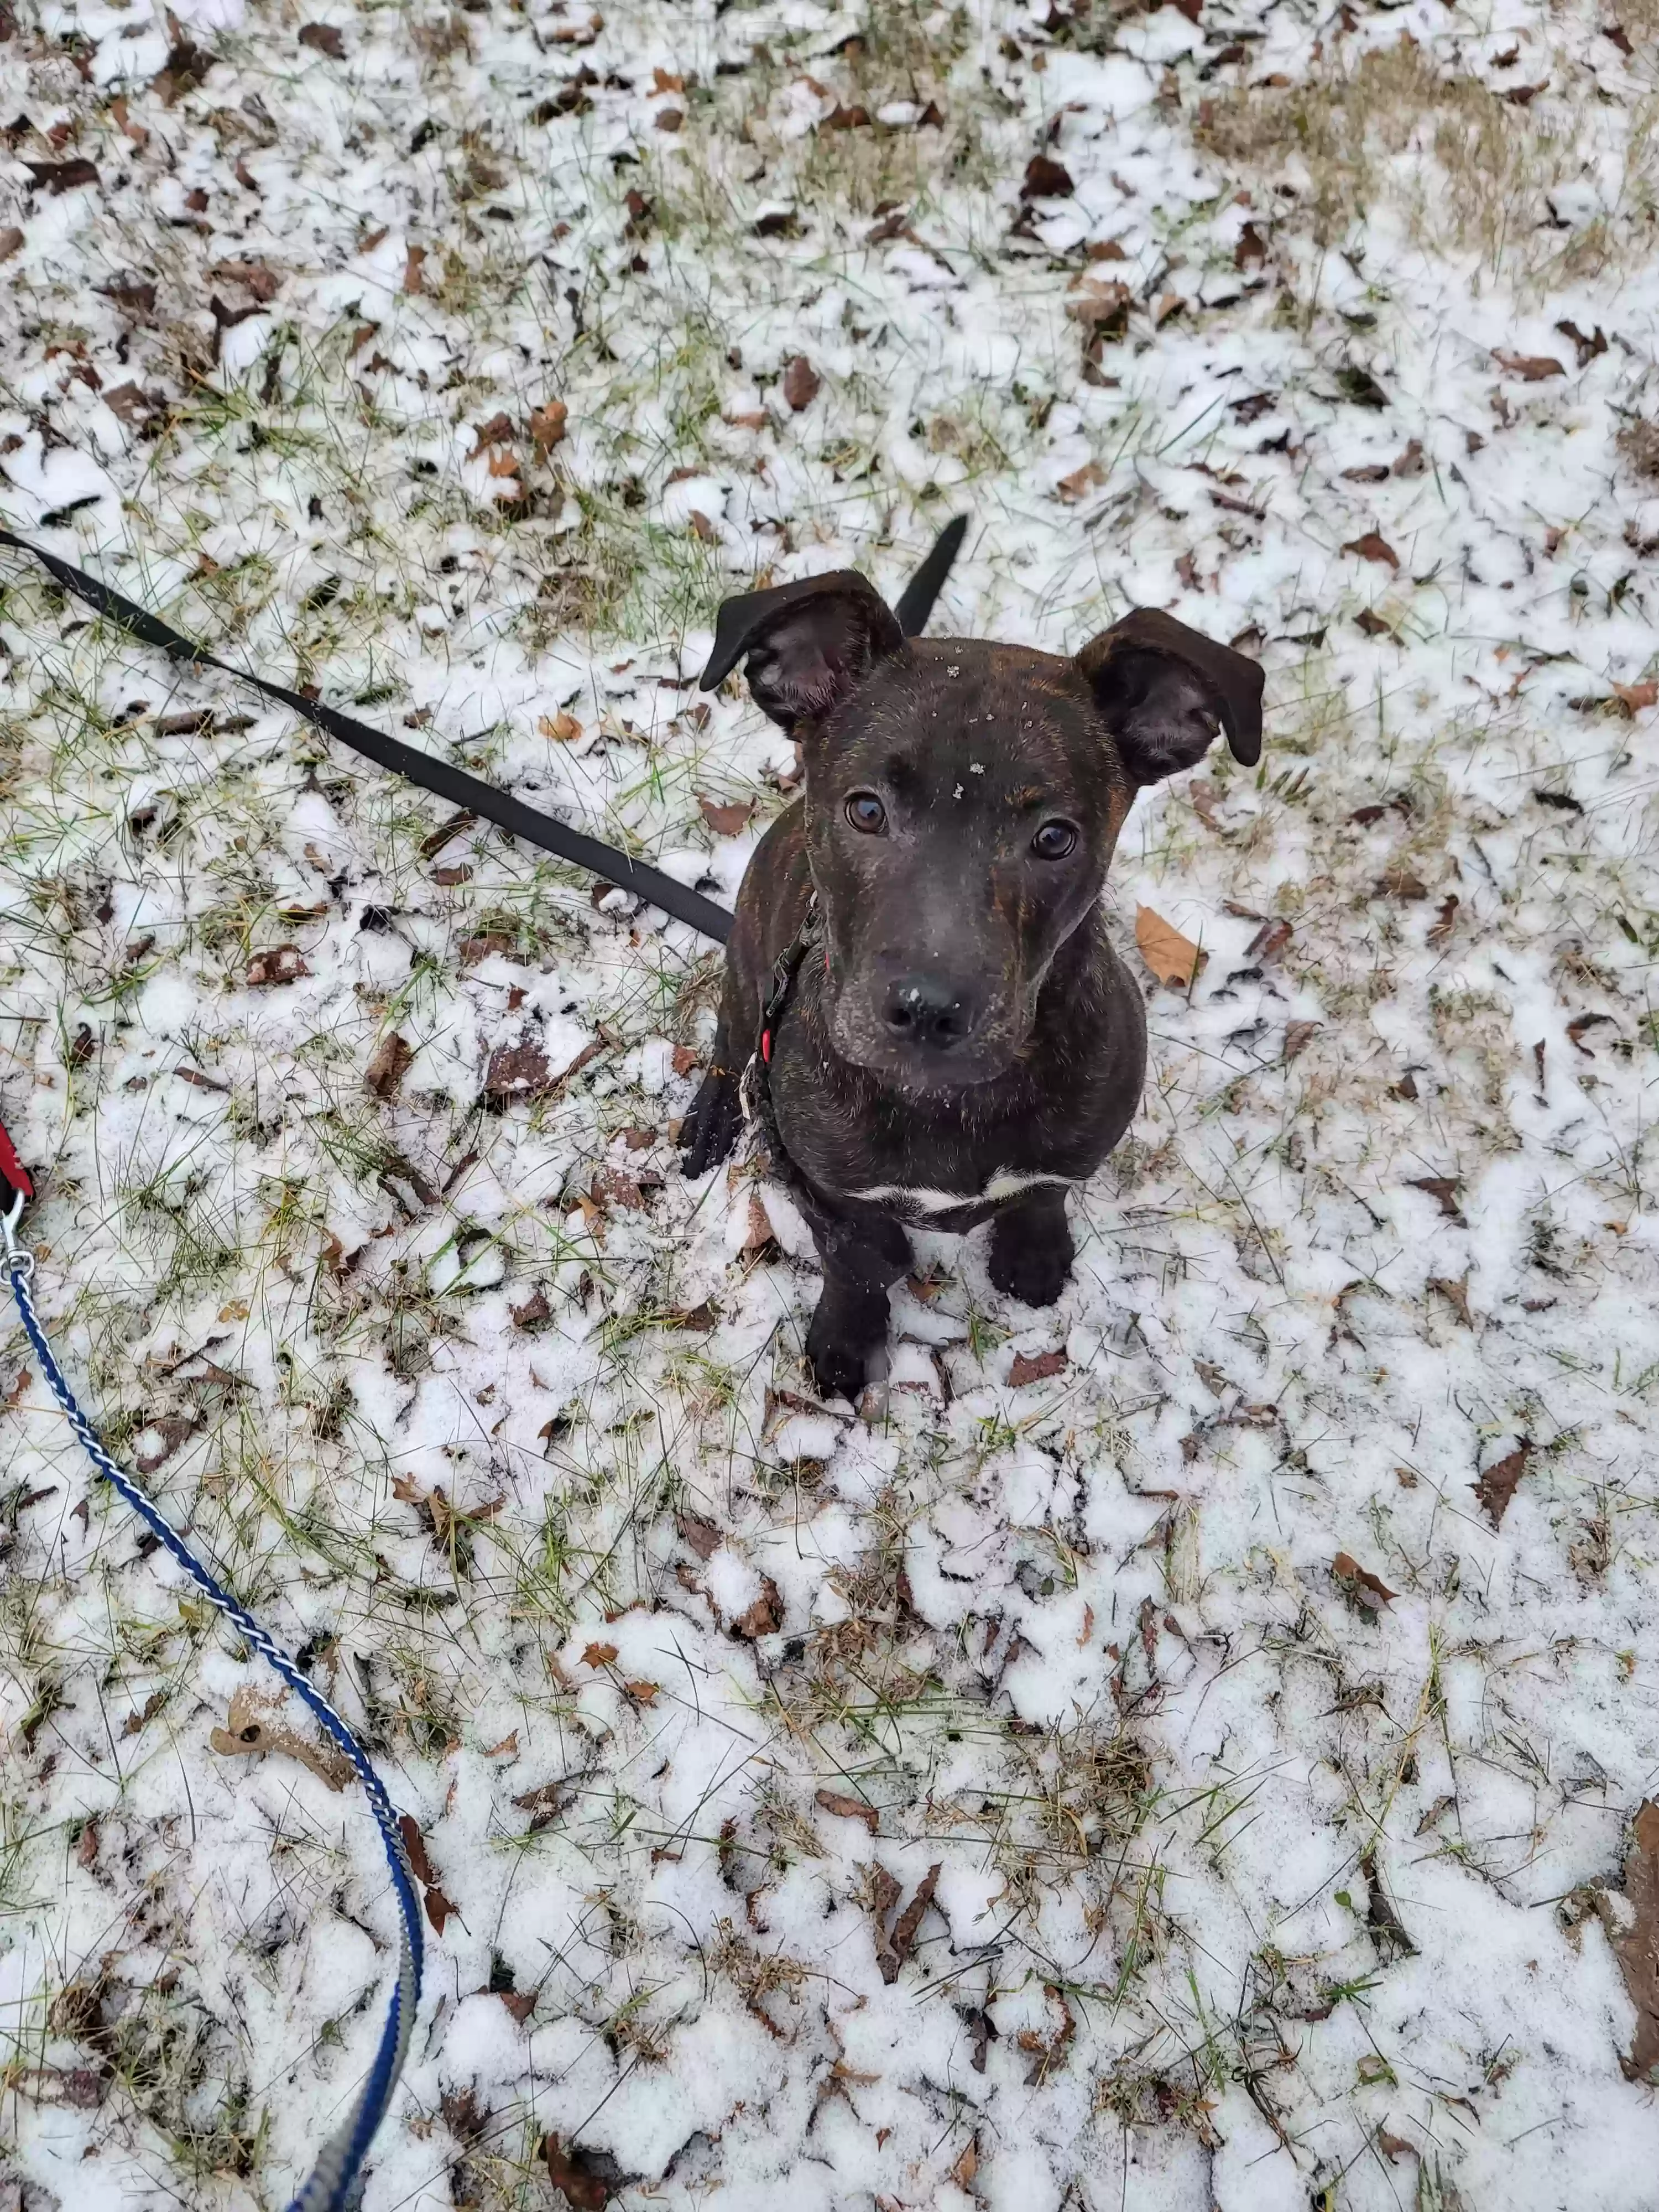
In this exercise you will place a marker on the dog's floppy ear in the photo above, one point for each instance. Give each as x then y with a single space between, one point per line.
1163 689
807 643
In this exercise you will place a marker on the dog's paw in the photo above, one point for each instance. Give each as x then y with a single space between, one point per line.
841 1343
710 1130
1033 1269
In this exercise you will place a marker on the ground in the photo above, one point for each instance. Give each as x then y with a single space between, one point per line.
1182 1750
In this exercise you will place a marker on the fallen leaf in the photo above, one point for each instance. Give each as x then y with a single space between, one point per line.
848 1808
1456 1292
966 2166
1588 347
283 964
323 39
908 1922
535 1313
764 1617
253 1728
1635 1946
1046 179
171 1430
414 268
599 1655
1496 1486
1080 482
1365 1589
62 176
253 275
508 1747
1530 367
1580 1022
1633 697
801 383
1251 250
1298 1036
388 1064
497 431
1441 927
563 728
643 1694
10 238
80 2087
727 820
1035 1367
521 1071
1444 1189
1100 303
704 1537
1400 882
1373 546
588 2179
1172 958
547 427
684 1059
1269 940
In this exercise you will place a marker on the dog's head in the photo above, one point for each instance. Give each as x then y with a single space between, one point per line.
963 801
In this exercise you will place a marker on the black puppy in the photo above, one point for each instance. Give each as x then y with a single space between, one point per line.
957 1040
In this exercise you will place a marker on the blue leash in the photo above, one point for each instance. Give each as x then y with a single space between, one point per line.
337 2180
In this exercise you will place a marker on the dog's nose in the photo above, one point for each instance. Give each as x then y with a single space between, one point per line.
927 1010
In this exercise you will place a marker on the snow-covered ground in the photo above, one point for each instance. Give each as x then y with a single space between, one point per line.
1179 1751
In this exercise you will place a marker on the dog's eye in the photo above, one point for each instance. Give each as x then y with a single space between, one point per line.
1054 841
865 811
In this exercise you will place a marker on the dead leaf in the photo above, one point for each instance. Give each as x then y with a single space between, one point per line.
323 39
1080 482
388 1064
1046 179
1457 1295
1373 546
1411 463
1577 1026
757 1237
563 728
848 1808
908 1922
62 176
535 1313
283 964
172 1429
587 2179
1634 697
252 1728
1588 347
801 383
1172 958
1393 2146
684 1059
1269 941
521 1070
704 1538
1496 1486
643 1694
764 1617
1530 367
254 277
1035 1367
1365 1589
1441 927
1635 1946
547 427
1398 882
1444 1190
966 2166
1298 1036
727 820
599 1655
1100 303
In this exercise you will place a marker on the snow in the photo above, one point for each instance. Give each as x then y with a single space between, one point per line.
1251 1893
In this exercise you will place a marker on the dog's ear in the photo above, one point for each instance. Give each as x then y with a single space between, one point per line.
807 644
1162 689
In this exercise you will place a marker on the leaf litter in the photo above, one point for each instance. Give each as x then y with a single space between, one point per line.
389 365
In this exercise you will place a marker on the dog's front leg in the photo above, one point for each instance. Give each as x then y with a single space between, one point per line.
1031 1249
711 1129
862 1255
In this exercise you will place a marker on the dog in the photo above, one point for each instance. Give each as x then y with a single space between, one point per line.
919 978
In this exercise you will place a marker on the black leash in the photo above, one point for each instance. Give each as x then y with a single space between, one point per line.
470 792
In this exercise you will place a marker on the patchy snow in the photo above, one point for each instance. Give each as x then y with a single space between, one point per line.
1254 1887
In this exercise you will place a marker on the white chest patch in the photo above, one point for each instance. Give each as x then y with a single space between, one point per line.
1005 1183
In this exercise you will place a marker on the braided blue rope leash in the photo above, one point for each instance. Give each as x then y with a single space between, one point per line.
336 2181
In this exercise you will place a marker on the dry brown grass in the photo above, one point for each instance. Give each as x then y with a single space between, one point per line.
1470 172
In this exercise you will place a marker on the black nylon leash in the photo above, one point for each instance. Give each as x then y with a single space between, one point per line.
470 792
